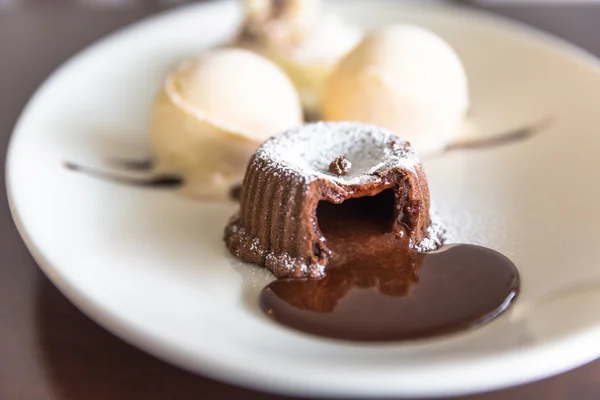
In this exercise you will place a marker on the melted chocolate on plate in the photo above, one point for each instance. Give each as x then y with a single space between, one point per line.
377 289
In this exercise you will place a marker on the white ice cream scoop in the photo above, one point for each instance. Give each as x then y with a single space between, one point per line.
305 42
404 78
212 112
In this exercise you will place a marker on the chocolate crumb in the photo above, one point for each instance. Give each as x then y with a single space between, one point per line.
340 166
235 192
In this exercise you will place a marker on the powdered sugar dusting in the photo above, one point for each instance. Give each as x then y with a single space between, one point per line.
307 152
285 260
436 236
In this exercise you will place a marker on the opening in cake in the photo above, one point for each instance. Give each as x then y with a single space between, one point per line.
370 214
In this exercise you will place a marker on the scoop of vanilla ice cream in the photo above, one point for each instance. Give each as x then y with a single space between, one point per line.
406 79
212 112
305 42
310 62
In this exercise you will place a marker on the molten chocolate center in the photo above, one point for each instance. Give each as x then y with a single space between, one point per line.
377 289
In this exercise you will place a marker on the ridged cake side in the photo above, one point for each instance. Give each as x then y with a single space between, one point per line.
270 229
277 225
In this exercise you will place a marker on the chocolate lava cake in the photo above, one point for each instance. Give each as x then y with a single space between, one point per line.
296 176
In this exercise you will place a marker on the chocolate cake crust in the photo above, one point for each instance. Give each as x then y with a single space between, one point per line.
290 174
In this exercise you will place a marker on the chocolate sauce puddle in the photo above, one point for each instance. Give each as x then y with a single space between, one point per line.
154 181
376 289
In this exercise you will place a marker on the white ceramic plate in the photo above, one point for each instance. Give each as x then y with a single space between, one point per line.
151 267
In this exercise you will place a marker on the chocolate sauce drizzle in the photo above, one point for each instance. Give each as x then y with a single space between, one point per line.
141 165
149 182
145 165
516 135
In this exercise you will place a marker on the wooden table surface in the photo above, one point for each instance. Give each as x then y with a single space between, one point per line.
50 350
